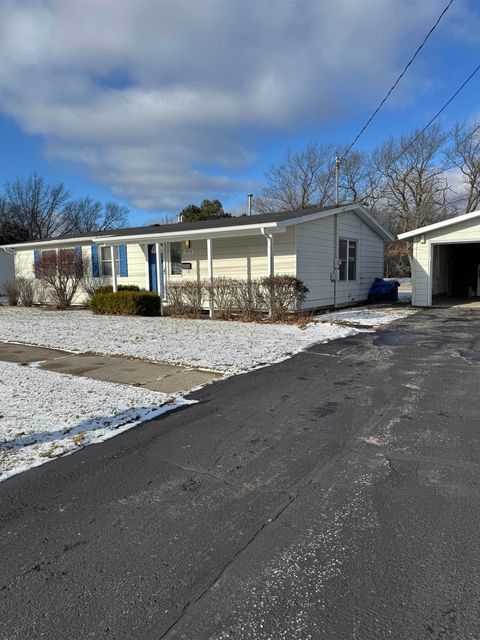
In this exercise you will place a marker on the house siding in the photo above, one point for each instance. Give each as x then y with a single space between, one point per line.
240 258
315 259
7 268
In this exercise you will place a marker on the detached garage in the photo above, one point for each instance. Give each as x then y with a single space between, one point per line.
446 260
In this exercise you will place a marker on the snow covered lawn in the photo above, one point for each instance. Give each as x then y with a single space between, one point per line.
45 414
231 347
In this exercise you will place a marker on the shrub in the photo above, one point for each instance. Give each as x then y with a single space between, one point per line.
20 291
277 295
26 290
221 291
185 298
126 303
248 298
12 292
108 288
61 273
284 295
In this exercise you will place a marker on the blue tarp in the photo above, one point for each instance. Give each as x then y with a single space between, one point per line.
384 289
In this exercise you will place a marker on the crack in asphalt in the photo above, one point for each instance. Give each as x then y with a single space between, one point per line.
191 603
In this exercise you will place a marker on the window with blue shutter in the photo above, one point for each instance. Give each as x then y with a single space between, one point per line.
122 254
36 258
95 263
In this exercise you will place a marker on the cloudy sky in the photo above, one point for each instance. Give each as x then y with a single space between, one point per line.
159 103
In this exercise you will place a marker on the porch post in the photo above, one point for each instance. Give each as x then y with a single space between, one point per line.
147 267
210 273
270 255
166 267
114 268
158 265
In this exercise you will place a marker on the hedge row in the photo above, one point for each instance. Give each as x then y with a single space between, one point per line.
278 296
126 303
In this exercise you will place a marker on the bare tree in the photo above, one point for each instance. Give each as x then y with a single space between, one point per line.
411 187
61 273
86 214
304 179
35 206
355 176
463 153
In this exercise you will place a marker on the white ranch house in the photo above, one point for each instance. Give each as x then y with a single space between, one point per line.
446 260
336 251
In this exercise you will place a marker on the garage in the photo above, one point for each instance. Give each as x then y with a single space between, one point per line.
446 261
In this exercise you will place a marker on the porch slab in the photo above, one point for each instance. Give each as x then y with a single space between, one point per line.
160 376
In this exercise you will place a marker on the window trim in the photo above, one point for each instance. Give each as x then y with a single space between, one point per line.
347 261
102 261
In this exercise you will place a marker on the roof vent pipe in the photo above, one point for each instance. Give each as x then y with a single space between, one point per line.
250 198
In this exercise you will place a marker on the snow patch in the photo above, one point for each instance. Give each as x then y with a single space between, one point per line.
230 347
45 414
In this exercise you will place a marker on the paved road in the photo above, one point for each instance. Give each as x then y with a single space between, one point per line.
333 496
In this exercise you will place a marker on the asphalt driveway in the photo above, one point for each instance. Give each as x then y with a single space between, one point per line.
332 496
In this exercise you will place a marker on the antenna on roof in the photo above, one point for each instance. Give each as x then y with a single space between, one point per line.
250 198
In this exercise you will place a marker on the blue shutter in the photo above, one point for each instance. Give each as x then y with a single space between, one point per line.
122 254
36 258
95 263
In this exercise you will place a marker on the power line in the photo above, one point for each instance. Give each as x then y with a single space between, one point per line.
471 134
392 88
429 123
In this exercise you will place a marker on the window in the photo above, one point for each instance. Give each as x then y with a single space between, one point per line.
176 258
106 261
347 255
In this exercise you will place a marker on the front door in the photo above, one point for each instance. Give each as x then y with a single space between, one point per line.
152 269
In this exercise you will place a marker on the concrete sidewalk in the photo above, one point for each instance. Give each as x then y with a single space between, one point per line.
152 375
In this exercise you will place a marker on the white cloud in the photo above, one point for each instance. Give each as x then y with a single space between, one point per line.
161 101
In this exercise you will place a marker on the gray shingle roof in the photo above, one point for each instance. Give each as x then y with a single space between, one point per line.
277 216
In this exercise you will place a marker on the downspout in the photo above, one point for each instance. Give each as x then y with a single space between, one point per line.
271 263
335 259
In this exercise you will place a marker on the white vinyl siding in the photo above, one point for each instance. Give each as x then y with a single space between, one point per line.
243 258
7 268
315 254
315 259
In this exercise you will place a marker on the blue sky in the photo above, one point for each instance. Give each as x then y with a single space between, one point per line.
157 104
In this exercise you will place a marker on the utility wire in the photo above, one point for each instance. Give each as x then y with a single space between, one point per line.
392 88
429 123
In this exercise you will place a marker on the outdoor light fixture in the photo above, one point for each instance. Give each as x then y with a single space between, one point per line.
187 244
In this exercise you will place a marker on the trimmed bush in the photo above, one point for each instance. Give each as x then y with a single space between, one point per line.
279 296
20 291
284 295
108 288
12 291
185 298
126 303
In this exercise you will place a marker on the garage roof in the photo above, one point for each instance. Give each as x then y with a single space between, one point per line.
439 225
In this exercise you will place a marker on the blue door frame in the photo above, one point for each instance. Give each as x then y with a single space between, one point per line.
152 270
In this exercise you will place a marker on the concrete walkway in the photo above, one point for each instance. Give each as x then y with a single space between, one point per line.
152 375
